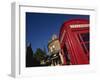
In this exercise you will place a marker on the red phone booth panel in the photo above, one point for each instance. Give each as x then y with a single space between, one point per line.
74 40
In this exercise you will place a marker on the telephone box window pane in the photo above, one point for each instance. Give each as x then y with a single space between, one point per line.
85 37
87 46
84 48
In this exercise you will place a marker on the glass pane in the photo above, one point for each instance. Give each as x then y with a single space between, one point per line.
84 48
85 36
87 46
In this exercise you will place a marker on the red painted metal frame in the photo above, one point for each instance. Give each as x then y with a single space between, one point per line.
70 40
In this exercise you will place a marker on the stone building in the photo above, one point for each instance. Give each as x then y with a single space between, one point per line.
55 51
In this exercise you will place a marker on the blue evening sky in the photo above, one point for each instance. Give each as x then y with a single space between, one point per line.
41 26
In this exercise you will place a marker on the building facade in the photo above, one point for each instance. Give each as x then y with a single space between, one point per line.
74 42
55 51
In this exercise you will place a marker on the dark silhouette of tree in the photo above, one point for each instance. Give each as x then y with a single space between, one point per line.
40 54
44 50
31 61
39 58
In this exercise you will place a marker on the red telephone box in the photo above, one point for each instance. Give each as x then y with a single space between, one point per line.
74 40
